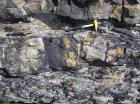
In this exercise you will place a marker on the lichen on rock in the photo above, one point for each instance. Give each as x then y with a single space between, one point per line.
40 62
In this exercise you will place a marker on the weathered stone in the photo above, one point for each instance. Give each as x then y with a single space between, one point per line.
88 9
112 55
80 9
96 50
12 10
94 84
130 15
29 53
62 54
48 47
19 58
34 6
71 59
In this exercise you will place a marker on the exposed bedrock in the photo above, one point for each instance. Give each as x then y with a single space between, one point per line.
21 55
75 9
101 9
42 63
12 10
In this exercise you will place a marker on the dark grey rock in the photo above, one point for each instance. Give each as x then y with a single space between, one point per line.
89 10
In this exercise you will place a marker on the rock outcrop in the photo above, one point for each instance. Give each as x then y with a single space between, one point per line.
40 62
101 9
12 10
128 11
24 52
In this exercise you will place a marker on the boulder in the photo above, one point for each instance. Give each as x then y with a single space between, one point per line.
61 53
96 50
22 56
12 10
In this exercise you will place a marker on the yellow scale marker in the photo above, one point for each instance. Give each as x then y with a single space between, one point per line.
94 23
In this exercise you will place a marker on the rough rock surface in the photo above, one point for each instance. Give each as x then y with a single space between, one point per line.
12 9
28 47
68 68
92 85
37 6
75 9
42 63
101 9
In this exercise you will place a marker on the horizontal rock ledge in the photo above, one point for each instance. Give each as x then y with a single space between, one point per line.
23 55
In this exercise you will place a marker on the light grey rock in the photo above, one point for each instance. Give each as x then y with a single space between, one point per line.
97 50
0 77
12 10
35 6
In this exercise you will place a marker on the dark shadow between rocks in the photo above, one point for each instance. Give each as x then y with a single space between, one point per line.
56 21
16 34
60 22
4 72
49 19
132 2
134 62
99 63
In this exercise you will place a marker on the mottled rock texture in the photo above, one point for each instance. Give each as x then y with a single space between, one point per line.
101 9
93 85
34 6
12 9
42 63
26 53
127 11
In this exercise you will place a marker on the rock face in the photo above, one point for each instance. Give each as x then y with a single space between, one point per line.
101 9
88 85
24 52
40 62
35 6
20 56
12 9
84 9
75 9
